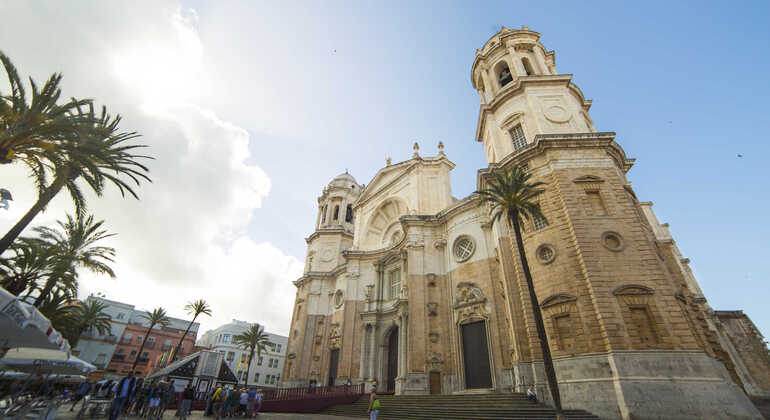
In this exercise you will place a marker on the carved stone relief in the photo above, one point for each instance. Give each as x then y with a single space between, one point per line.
432 309
433 337
469 303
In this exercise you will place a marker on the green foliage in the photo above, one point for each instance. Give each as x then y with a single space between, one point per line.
90 316
511 194
198 307
157 317
255 340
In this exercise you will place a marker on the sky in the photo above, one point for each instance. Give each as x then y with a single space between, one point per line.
251 108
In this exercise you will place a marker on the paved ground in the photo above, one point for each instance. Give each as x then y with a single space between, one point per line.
198 415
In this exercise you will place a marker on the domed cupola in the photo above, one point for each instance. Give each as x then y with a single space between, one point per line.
335 205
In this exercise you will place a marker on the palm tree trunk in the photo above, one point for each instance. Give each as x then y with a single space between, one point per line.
550 373
179 346
139 354
42 202
248 367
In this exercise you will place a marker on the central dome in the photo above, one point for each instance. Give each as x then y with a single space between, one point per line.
343 180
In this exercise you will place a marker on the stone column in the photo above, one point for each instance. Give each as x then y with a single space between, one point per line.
318 218
362 363
541 61
372 359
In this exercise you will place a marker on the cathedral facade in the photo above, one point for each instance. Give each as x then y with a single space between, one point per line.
417 292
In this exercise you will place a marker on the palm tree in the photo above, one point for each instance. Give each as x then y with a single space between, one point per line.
30 132
157 317
89 316
58 308
196 308
512 195
75 246
98 155
30 265
254 339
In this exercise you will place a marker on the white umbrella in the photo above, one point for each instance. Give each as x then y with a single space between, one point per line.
37 360
24 326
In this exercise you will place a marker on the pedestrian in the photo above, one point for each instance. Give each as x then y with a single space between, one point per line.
188 395
82 391
153 408
123 391
243 402
233 400
219 398
374 404
260 396
165 397
531 395
251 402
347 386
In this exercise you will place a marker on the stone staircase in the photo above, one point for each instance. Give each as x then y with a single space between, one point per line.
455 407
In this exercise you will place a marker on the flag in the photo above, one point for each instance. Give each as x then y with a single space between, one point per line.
171 354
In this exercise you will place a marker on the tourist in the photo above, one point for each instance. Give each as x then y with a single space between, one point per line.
165 397
219 398
347 386
153 398
251 402
244 399
82 391
188 395
531 395
123 391
374 404
233 400
260 396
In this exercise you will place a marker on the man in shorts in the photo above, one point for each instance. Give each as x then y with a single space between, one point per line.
81 392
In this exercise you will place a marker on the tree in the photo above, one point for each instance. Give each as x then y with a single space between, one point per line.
254 339
30 132
512 195
97 155
89 316
31 263
157 317
196 308
74 244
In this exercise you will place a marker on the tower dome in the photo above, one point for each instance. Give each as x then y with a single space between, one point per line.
335 205
344 180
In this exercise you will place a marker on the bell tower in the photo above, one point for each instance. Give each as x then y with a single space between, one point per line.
522 95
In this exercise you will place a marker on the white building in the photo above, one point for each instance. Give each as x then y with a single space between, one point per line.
98 349
265 371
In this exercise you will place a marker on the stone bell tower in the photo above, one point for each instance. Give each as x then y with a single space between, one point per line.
619 326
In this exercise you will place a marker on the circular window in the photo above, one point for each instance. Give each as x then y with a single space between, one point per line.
612 241
545 253
464 247
338 298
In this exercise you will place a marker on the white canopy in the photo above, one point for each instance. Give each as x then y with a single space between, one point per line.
22 325
37 360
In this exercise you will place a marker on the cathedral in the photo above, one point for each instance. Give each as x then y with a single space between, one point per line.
416 292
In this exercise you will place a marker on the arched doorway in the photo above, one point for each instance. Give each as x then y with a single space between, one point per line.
392 359
476 355
334 360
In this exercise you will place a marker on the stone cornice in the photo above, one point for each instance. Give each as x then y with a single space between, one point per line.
334 230
517 87
321 274
604 140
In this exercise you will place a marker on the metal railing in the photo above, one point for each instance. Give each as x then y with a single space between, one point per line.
312 392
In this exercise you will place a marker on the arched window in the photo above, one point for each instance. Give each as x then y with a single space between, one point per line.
504 75
527 66
349 213
336 212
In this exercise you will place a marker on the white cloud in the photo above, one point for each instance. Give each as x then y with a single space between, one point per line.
186 238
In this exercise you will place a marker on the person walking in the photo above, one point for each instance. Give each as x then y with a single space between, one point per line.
219 398
188 395
251 402
244 400
374 404
123 391
233 400
82 391
260 396
531 395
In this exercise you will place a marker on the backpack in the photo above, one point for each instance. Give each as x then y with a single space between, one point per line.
376 404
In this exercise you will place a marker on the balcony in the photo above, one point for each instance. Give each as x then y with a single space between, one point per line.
111 338
149 345
119 357
143 360
165 347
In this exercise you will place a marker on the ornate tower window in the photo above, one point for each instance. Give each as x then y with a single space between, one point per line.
527 66
637 308
517 137
336 212
349 213
395 283
504 75
463 248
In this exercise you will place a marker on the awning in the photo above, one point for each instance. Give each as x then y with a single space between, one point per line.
22 325
37 360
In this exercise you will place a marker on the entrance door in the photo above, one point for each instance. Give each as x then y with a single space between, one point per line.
476 355
334 360
392 359
435 383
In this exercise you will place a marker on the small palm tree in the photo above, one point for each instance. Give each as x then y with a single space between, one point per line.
254 339
512 194
75 246
29 266
99 155
90 316
196 308
58 308
157 317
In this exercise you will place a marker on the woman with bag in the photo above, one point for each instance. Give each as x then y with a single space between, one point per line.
374 404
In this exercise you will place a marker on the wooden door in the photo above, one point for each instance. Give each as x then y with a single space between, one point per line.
476 355
435 383
392 359
334 360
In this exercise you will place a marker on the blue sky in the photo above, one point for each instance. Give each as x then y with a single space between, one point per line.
319 87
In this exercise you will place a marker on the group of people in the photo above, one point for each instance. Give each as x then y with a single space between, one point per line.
227 402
